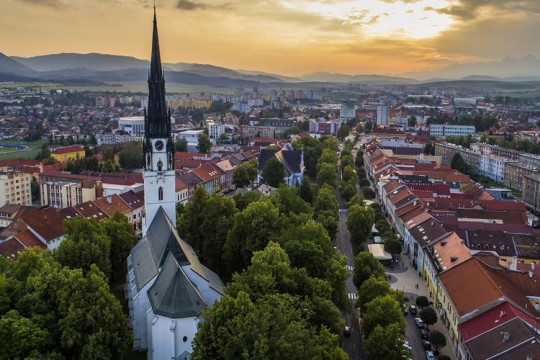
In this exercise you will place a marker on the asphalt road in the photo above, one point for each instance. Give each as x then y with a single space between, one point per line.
412 334
352 344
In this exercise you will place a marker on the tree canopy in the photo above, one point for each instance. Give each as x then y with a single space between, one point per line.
365 266
273 172
269 310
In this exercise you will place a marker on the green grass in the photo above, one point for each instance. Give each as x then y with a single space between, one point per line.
29 153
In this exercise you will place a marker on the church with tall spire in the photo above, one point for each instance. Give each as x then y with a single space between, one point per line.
167 286
159 174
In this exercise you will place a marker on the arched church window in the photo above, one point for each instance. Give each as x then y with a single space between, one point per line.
160 165
160 193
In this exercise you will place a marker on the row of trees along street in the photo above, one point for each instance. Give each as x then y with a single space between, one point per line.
60 305
381 307
285 284
383 324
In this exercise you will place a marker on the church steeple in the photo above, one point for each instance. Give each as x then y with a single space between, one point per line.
158 124
159 175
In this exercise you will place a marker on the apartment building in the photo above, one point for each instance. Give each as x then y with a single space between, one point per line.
15 187
442 130
66 193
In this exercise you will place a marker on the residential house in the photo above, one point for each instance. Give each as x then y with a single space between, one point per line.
63 154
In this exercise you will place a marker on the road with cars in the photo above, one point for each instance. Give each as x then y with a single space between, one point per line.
352 344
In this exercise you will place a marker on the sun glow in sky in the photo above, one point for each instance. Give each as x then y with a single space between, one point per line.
375 18
290 37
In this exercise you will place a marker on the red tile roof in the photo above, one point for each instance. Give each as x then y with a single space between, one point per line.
67 149
491 319
28 239
47 222
11 248
112 204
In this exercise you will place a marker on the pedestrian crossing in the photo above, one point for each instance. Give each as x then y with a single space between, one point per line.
353 296
350 268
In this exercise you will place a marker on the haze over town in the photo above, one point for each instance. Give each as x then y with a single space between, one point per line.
288 37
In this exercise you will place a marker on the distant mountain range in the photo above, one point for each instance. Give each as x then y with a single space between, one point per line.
102 68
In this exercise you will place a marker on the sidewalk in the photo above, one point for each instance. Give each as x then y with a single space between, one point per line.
405 278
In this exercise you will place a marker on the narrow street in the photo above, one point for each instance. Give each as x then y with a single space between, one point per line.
352 344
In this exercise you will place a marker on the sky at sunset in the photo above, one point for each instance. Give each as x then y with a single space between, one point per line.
290 37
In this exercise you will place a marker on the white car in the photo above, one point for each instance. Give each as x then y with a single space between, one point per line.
419 322
429 355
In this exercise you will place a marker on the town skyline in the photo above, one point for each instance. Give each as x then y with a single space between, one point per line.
292 37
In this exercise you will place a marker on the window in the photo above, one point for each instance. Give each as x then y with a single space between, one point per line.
160 193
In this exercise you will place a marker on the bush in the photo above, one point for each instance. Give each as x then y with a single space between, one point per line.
369 194
422 301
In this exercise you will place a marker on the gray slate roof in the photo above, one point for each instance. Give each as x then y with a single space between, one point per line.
161 240
144 264
173 294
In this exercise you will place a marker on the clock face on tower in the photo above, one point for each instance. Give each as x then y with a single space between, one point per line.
158 145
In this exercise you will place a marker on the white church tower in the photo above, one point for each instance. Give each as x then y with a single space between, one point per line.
159 175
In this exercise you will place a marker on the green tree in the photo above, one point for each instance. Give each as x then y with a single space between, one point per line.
108 166
86 243
92 323
327 157
189 226
242 200
36 191
385 343
359 222
131 157
411 122
122 237
369 194
459 164
437 339
370 289
287 200
251 232
305 191
383 311
181 145
327 174
245 174
273 172
356 200
393 247
349 175
326 209
28 337
204 145
241 177
343 132
422 301
428 316
309 247
271 328
348 190
365 266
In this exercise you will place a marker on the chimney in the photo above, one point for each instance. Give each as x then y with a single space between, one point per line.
109 199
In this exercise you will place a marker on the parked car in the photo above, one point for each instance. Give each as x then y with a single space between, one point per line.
407 346
426 344
419 322
429 355
347 331
424 334
412 309
405 309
